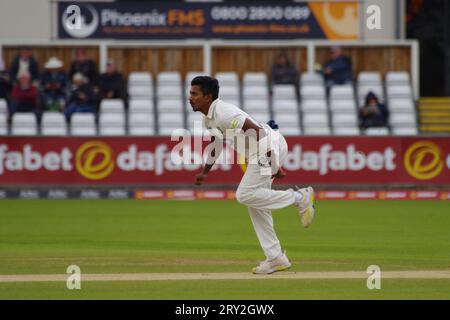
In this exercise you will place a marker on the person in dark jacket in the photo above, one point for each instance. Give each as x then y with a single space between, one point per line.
54 85
111 83
337 70
373 113
24 96
283 72
24 63
82 98
5 82
85 66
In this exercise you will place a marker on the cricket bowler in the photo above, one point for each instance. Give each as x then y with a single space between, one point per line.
224 121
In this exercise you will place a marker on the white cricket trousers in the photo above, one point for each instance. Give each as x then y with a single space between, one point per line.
255 191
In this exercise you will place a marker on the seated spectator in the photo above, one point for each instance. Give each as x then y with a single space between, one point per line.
112 84
283 72
24 96
82 97
5 82
54 86
373 113
25 63
337 70
85 66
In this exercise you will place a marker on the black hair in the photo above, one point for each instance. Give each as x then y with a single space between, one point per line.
207 85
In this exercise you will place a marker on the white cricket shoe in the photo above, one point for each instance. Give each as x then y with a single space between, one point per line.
306 205
270 266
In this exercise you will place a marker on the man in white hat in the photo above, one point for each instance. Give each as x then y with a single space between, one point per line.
54 85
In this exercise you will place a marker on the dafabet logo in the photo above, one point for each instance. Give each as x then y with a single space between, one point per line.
94 160
423 160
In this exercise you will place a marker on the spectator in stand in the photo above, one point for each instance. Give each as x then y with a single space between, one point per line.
5 82
85 66
373 113
337 70
283 72
112 83
82 97
54 86
25 63
24 96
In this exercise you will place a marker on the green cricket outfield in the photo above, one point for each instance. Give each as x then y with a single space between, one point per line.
130 249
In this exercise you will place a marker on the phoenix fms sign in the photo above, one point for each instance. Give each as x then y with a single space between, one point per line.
234 20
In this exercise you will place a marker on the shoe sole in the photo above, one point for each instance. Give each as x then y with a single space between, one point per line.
276 269
310 212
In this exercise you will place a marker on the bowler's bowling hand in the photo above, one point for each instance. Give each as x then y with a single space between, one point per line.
199 178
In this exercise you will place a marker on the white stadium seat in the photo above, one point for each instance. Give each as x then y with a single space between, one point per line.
381 131
314 106
229 93
311 79
255 79
141 106
317 131
3 124
344 92
24 124
141 124
397 78
290 131
402 119
262 117
285 106
112 106
227 79
140 92
83 124
140 79
111 124
401 105
283 91
170 105
168 78
405 131
287 120
53 124
369 78
3 106
312 92
343 131
255 92
402 91
315 119
251 106
344 120
169 92
342 106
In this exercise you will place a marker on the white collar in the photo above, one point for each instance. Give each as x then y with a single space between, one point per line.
212 107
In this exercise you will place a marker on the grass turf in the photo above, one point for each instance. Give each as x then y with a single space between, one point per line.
104 236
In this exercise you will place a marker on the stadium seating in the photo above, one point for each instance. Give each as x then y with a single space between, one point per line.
160 109
112 106
112 124
53 124
83 124
24 124
141 124
3 124
3 106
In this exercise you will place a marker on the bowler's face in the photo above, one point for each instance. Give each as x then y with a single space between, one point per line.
197 99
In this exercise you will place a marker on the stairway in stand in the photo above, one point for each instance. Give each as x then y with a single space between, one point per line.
434 114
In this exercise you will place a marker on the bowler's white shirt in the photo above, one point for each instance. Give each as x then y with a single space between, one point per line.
223 116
